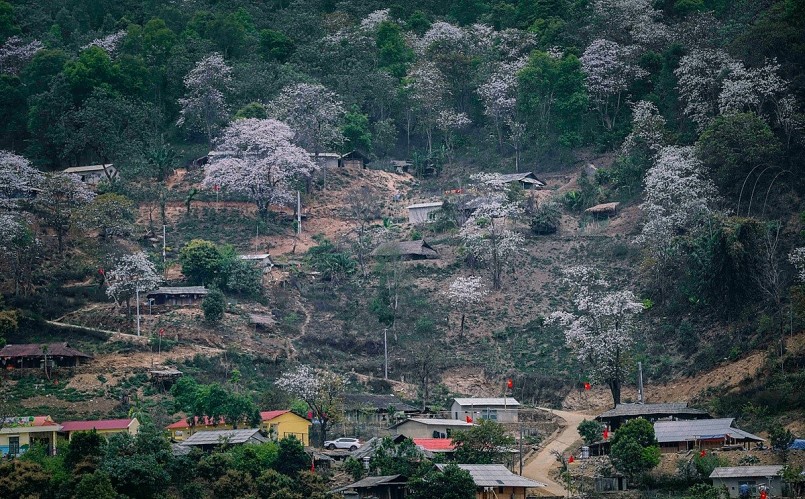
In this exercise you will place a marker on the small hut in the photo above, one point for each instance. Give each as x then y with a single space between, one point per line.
406 250
354 159
602 210
92 174
423 212
526 180
178 295
32 355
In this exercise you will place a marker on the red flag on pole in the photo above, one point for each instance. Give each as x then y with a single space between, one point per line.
162 332
587 386
312 463
469 419
101 271
702 453
570 459
606 433
510 384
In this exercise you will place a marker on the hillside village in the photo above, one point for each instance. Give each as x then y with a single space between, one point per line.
456 249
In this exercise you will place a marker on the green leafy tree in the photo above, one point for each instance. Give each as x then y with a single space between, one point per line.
276 45
781 439
201 262
291 457
634 448
552 99
8 25
8 324
546 218
84 446
393 53
96 485
252 110
452 483
233 485
22 479
254 459
112 214
243 277
214 305
92 69
484 443
731 147
397 459
356 131
272 483
591 431
705 491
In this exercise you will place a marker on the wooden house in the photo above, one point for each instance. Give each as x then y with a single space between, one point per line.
752 476
526 180
92 174
210 439
602 210
326 159
652 412
354 159
429 428
261 260
178 295
406 250
421 213
373 409
700 434
18 434
502 410
32 355
374 487
493 481
283 424
104 427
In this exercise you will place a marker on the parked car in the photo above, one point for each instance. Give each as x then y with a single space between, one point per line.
343 443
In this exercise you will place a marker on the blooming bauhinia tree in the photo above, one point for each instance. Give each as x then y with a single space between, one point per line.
700 77
374 19
428 89
313 112
109 42
648 129
601 331
488 237
448 122
132 274
14 53
499 95
257 158
634 21
609 70
321 390
464 292
752 89
60 199
204 107
18 179
797 259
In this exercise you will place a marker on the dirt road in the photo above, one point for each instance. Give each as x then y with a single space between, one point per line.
538 468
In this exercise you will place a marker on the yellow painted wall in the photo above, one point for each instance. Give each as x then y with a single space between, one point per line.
25 438
181 434
286 425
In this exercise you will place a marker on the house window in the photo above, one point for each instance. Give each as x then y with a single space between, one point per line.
13 445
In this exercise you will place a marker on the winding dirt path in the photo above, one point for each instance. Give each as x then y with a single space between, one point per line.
539 467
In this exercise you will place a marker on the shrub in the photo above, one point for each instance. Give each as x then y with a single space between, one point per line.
546 218
214 305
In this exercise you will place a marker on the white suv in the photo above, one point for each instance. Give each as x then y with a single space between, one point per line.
343 443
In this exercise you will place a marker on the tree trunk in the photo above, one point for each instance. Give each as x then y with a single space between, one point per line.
615 388
461 330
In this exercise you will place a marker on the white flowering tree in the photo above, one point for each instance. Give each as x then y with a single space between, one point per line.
635 21
374 19
449 122
19 251
678 198
648 129
428 90
204 106
313 112
488 237
321 390
257 158
602 328
465 292
14 53
789 118
609 70
132 274
62 197
499 95
797 259
18 179
109 42
700 76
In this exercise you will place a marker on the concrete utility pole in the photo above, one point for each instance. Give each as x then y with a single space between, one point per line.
298 214
386 354
137 298
640 399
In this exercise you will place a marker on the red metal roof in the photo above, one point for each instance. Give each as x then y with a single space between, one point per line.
435 444
182 423
102 424
266 415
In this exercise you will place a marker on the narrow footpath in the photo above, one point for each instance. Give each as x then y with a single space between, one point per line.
539 467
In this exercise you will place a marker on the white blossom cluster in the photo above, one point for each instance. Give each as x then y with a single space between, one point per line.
648 128
797 259
448 120
11 226
749 89
18 179
14 53
132 273
699 79
602 331
465 291
374 19
678 194
514 44
313 112
205 102
637 18
440 35
489 239
608 68
109 42
65 188
259 160
308 383
499 91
